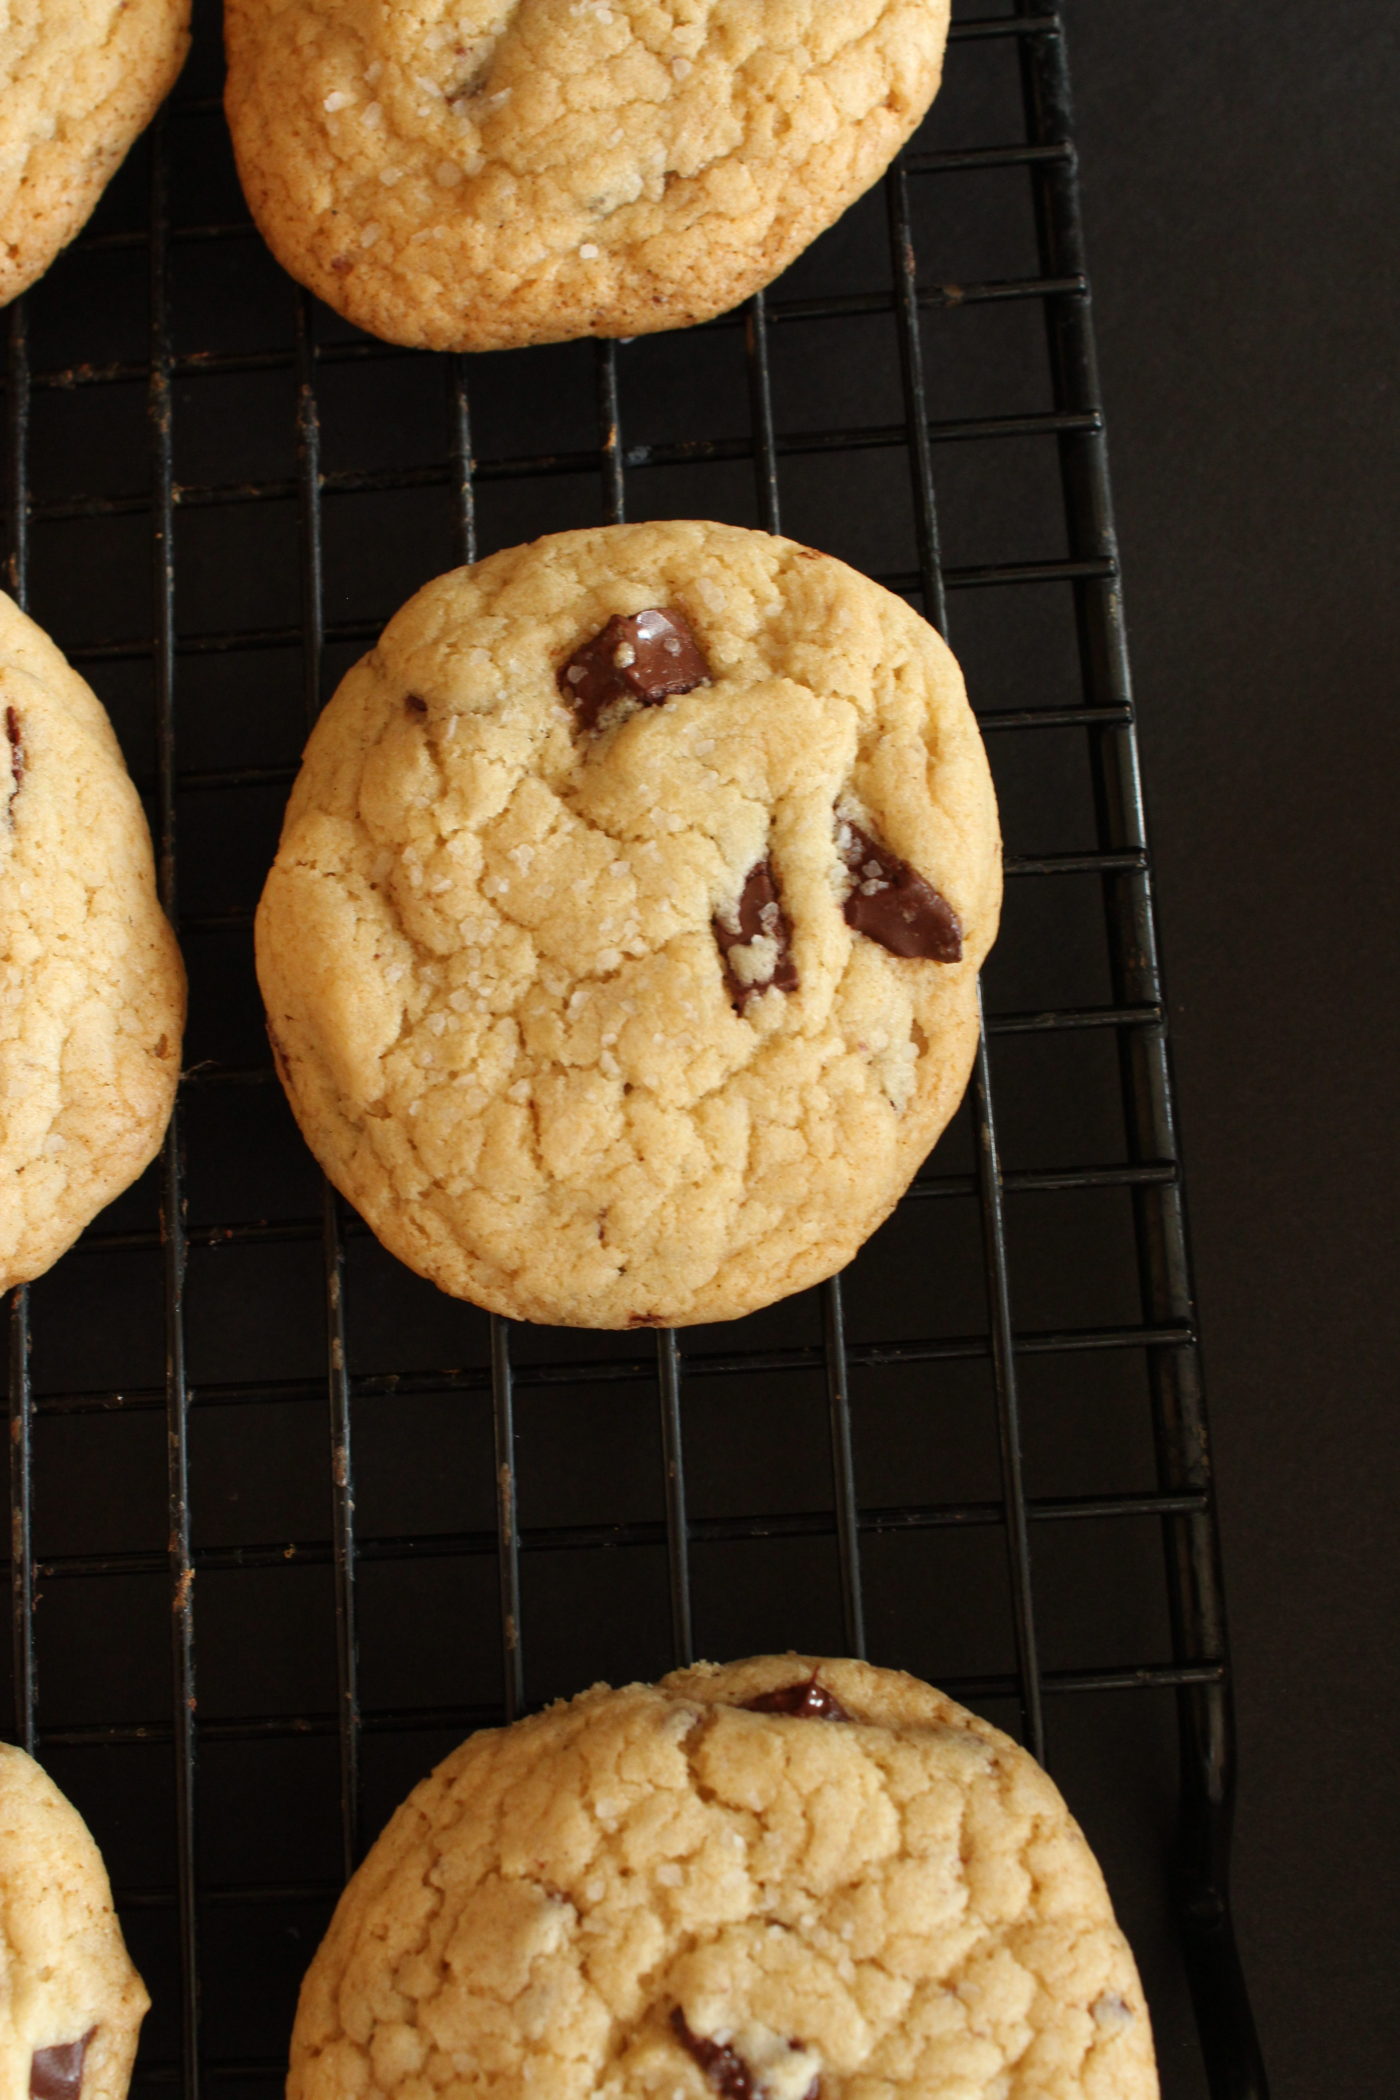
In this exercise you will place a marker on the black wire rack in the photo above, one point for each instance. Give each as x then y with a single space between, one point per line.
347 1519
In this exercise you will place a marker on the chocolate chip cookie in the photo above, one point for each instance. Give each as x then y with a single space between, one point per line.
519 171
782 1879
78 80
71 2004
92 992
620 953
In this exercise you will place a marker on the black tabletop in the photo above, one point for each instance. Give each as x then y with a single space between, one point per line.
1242 188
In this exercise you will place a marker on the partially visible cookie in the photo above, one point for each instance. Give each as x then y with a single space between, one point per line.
92 992
78 80
782 1879
478 176
620 954
71 2004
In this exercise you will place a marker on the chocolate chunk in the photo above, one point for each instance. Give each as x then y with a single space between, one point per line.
891 903
639 658
807 1700
724 2067
16 736
415 704
56 2073
755 940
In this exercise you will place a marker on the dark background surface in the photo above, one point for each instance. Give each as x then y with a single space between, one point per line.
1242 197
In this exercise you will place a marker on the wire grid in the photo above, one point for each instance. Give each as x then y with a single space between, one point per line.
1197 1670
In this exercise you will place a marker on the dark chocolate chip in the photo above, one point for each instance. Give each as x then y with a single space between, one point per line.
758 915
726 2070
56 2073
415 703
807 1700
891 903
15 734
641 658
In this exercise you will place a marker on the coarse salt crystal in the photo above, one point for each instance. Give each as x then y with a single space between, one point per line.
370 234
448 174
589 251
337 99
389 176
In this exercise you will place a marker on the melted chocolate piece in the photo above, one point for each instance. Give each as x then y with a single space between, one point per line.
724 2067
16 736
415 704
759 915
891 903
807 1700
642 658
57 2073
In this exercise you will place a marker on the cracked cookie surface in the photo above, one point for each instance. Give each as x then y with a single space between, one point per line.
92 990
574 1014
78 80
663 1891
71 2004
488 173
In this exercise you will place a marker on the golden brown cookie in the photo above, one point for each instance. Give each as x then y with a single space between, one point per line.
71 2004
79 79
620 953
92 991
782 1879
501 172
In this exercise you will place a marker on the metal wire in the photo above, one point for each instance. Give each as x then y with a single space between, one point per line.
990 1179
1191 1541
21 1398
172 1177
339 1425
1133 1013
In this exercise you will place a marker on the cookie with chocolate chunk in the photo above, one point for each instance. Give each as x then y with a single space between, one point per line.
92 992
620 953
78 80
71 2004
782 1879
521 171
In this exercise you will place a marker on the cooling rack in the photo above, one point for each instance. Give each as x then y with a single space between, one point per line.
285 1523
